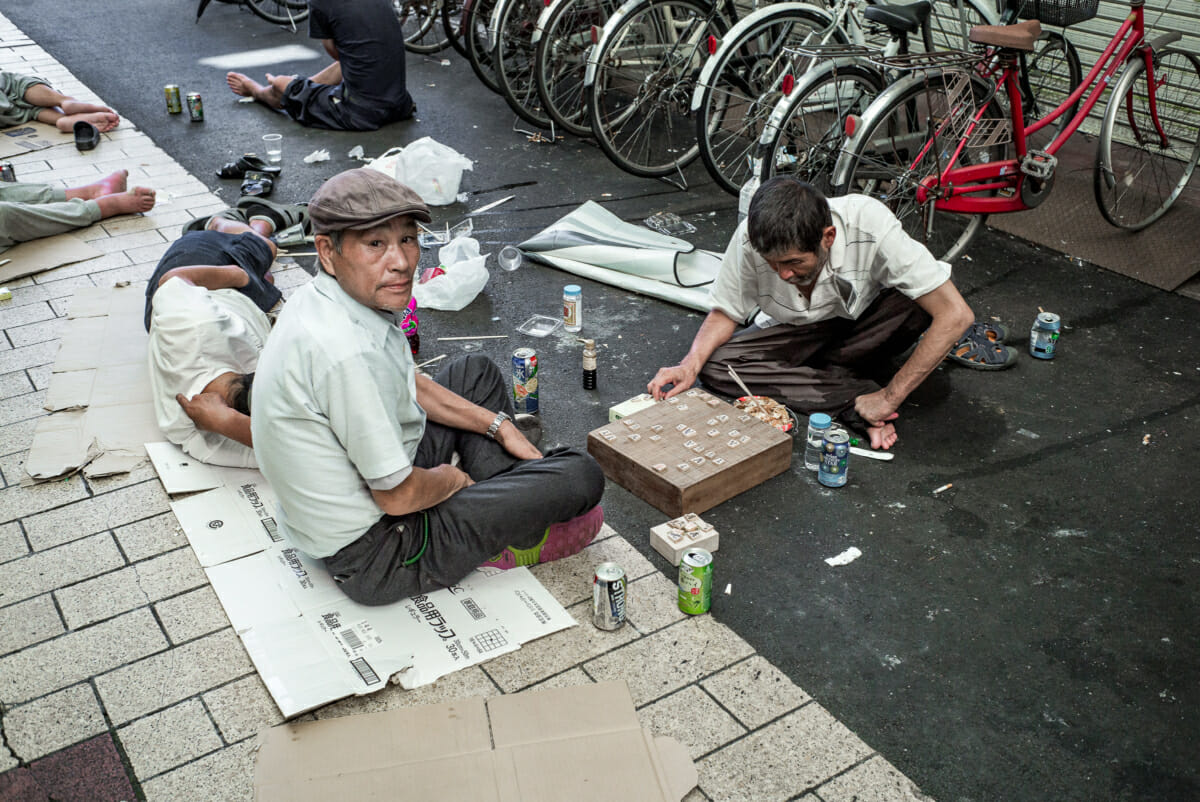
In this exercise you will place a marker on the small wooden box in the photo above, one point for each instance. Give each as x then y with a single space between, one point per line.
725 451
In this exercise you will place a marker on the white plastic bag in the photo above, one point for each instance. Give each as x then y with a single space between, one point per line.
432 170
465 277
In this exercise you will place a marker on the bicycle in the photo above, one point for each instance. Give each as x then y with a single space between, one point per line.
913 148
514 59
422 22
562 37
280 12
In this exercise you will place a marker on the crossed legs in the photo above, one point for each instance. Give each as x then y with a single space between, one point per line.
63 112
271 93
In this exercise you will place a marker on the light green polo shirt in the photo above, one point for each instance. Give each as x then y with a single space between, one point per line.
334 406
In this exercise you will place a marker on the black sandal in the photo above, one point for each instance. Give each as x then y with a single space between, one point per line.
982 354
248 163
280 215
258 185
87 136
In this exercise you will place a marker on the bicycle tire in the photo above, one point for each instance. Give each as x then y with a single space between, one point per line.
950 21
452 18
640 95
906 141
513 58
421 22
1137 178
807 139
1048 77
280 12
746 84
561 60
479 39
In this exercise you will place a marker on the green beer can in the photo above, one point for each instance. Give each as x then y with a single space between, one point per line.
695 581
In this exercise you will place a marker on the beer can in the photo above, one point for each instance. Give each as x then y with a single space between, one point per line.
695 581
835 458
1043 335
195 107
525 380
608 596
174 104
8 173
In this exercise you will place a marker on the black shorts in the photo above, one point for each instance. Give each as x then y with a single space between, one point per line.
248 251
324 106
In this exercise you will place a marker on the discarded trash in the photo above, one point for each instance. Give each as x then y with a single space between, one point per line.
540 326
1029 434
245 100
320 155
474 337
509 258
430 168
427 237
669 223
729 589
356 152
845 558
1146 440
428 362
5 292
1043 335
463 279
883 456
943 488
491 205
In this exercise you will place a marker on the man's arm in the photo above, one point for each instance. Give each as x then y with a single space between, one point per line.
211 277
451 409
422 489
331 48
951 317
210 413
714 332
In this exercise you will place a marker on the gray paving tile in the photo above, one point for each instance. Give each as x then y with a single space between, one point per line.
11 316
557 652
17 501
126 242
788 757
7 759
691 717
12 542
671 658
152 536
103 597
653 603
29 622
459 685
191 615
143 472
876 780
43 571
224 776
105 511
32 333
28 356
14 438
168 739
755 691
15 383
76 656
570 580
568 679
172 676
45 725
170 573
40 376
106 262
242 708
28 291
22 407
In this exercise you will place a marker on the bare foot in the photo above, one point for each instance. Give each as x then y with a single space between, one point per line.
246 86
111 184
138 199
882 436
103 120
73 106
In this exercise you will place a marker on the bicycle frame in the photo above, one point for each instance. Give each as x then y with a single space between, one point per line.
956 189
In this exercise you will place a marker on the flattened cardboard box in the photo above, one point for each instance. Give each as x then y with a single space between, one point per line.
578 743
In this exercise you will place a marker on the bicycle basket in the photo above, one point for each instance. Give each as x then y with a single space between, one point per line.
1056 12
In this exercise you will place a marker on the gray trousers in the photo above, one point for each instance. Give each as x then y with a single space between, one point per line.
511 503
819 367
31 211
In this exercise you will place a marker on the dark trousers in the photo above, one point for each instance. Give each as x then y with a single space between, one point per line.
819 367
511 503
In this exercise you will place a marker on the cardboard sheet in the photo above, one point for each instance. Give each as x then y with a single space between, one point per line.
31 136
578 743
39 255
309 642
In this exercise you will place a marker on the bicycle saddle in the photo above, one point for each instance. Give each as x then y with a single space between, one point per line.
907 18
1020 36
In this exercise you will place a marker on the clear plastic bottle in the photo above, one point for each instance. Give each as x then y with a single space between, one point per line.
572 307
748 189
818 424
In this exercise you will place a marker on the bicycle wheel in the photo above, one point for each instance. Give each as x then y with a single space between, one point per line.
421 22
745 84
280 12
807 139
645 71
513 58
909 141
479 39
950 21
561 60
1145 159
452 16
1049 75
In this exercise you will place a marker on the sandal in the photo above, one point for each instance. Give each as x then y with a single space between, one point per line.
257 185
281 216
985 332
87 136
982 354
201 223
248 163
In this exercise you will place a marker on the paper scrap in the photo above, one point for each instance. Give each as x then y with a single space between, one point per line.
845 558
1146 440
356 152
320 155
1029 434
729 589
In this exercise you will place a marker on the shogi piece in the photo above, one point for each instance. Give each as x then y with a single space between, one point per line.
677 478
678 535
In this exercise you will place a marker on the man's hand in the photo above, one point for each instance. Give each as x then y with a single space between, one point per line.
207 410
514 442
456 478
680 376
878 411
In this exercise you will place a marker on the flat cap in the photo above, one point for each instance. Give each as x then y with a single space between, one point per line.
362 198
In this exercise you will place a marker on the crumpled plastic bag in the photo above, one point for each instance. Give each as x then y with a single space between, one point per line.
465 277
431 169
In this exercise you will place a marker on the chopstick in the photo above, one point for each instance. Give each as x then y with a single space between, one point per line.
753 398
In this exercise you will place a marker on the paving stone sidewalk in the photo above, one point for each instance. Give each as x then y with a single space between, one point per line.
120 676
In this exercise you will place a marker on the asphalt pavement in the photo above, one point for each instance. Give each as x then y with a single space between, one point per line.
1028 633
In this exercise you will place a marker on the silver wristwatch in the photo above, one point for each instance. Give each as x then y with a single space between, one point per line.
501 417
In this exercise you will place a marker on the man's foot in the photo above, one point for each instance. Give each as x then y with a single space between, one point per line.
246 86
135 201
560 540
103 120
73 106
111 184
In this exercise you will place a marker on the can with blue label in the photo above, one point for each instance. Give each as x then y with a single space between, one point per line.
525 380
1043 335
835 458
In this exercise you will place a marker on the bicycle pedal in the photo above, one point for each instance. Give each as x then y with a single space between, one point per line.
1038 164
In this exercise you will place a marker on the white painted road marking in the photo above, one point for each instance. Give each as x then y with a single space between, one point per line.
260 58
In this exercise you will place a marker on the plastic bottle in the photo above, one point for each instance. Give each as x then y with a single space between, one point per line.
572 307
818 424
748 190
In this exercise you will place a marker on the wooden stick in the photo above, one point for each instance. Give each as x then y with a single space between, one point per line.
431 361
476 337
753 398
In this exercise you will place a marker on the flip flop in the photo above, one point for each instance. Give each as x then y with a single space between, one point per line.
982 355
258 185
87 136
248 163
280 215
201 223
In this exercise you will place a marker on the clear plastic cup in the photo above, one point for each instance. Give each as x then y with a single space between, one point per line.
509 257
273 145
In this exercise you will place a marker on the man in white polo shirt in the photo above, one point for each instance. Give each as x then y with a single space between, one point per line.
357 444
839 290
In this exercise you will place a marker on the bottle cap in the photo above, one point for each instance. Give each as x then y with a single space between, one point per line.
819 420
572 289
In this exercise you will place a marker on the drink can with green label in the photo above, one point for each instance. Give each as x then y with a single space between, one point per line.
695 581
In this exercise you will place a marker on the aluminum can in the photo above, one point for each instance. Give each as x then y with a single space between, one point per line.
195 107
608 596
835 458
8 173
174 103
1043 335
525 380
695 581
572 307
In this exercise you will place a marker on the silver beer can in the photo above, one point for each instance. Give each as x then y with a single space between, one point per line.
608 596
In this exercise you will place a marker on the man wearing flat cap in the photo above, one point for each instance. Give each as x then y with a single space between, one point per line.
357 444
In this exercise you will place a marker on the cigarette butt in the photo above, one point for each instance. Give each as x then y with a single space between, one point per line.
944 488
729 589
1040 309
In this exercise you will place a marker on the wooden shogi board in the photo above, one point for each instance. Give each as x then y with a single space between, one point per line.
730 452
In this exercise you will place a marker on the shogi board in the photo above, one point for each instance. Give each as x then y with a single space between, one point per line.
736 452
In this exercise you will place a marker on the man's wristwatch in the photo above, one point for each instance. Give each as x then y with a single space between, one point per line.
501 417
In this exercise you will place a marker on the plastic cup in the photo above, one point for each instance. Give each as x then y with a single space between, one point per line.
509 257
273 145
